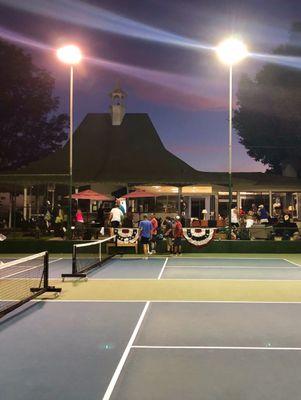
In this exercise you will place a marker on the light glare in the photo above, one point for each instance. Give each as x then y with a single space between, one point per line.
231 51
69 54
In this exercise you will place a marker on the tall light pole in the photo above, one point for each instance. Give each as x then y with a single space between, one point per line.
230 52
70 55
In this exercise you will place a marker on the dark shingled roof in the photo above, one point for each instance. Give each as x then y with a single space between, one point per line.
131 153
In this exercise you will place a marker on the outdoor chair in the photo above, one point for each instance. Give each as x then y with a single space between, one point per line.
260 231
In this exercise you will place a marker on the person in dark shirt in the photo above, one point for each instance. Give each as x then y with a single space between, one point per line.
101 216
289 227
168 234
128 219
263 215
183 220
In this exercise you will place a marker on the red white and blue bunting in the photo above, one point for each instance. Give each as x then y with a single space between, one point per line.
126 235
196 236
199 236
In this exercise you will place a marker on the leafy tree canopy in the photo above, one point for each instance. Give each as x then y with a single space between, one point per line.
30 128
268 117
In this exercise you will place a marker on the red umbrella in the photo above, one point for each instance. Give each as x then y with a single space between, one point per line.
139 194
90 195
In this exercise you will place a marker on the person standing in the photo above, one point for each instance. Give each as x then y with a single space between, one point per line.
254 208
154 223
178 234
47 216
183 219
249 219
118 202
234 217
101 216
263 215
79 224
58 223
146 228
168 234
128 219
277 208
115 216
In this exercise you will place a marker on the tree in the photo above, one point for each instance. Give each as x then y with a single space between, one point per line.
268 117
30 129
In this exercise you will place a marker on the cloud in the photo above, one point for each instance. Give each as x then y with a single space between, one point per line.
181 97
198 149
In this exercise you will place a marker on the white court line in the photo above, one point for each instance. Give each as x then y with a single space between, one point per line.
162 269
193 279
228 279
226 267
22 272
58 259
217 348
125 354
154 257
168 301
292 262
229 258
122 279
25 270
150 258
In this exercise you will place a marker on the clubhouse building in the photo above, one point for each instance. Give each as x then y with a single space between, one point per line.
117 152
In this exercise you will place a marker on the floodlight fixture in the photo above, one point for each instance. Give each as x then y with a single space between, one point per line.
231 51
69 54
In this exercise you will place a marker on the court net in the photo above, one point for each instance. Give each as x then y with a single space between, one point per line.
22 280
87 256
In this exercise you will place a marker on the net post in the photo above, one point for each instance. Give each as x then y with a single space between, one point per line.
47 287
46 270
74 271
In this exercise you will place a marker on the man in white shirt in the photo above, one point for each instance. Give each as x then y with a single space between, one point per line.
234 217
115 216
249 220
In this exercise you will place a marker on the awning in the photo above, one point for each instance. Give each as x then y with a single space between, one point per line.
137 194
90 195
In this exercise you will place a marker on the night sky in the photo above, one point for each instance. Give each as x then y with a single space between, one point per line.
183 89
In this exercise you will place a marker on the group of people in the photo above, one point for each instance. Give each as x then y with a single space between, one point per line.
248 218
258 215
152 229
151 232
54 219
281 220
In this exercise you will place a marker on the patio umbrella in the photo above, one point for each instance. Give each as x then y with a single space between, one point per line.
137 194
90 195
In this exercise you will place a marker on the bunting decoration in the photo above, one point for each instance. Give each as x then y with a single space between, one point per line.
126 235
199 236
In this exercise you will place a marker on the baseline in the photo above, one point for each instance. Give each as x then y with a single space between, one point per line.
216 348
